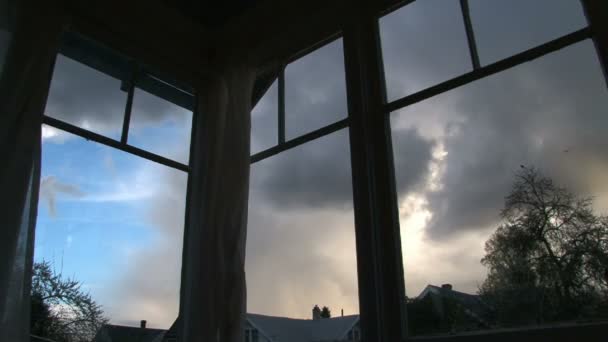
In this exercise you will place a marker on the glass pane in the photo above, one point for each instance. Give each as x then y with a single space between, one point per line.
459 155
315 90
301 240
264 121
160 127
504 28
112 222
86 98
423 43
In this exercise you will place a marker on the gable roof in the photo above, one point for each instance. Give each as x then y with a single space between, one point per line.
472 304
275 329
120 333
279 329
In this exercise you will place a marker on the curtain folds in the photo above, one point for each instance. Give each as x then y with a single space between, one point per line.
213 302
24 84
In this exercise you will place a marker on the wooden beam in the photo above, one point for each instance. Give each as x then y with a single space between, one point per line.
597 16
378 242
149 32
276 32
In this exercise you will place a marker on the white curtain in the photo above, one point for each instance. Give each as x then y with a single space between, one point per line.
24 83
213 302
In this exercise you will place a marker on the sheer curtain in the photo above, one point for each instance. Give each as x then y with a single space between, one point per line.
214 300
29 40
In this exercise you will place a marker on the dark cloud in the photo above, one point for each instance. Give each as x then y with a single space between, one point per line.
316 174
85 97
315 90
423 43
503 28
530 115
149 109
90 99
412 159
299 257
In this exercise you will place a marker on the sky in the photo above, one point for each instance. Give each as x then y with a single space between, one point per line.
115 221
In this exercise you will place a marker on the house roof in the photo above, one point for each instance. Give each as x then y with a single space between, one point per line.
280 329
276 329
472 303
120 333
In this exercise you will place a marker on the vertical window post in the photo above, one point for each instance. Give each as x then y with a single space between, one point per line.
379 265
281 104
597 15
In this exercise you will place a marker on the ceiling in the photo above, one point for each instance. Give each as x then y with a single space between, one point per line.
212 13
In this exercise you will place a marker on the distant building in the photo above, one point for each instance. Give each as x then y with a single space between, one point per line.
443 301
119 333
258 328
442 309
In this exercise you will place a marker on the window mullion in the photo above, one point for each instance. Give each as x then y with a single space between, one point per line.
128 107
597 16
281 104
466 17
379 266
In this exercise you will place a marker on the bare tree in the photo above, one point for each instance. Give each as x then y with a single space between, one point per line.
550 253
61 309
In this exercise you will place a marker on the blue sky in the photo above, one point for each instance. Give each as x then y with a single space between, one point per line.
102 220
97 208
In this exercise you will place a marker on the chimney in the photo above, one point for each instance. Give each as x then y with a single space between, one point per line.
447 286
316 313
142 324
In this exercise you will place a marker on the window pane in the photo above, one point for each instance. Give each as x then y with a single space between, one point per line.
460 154
423 43
86 98
264 121
315 90
301 240
114 223
160 127
504 28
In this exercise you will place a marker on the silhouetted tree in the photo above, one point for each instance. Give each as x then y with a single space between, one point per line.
549 259
325 312
60 309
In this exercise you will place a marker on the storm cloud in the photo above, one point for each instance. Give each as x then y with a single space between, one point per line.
87 98
548 114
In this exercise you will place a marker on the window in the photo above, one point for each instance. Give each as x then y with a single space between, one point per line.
264 121
499 36
491 106
423 43
151 116
93 101
466 156
315 90
114 174
300 241
251 335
